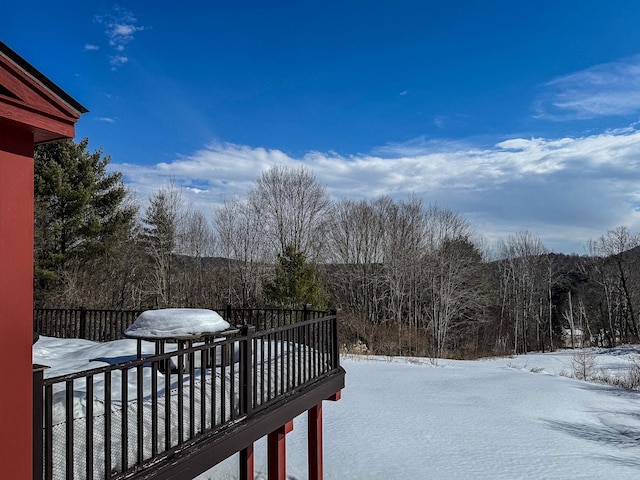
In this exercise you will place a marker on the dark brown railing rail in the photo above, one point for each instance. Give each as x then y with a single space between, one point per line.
118 420
107 325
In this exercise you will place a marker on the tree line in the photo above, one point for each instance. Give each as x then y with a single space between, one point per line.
408 278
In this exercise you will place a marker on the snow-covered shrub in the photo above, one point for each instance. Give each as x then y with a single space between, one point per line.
630 380
633 375
583 364
358 348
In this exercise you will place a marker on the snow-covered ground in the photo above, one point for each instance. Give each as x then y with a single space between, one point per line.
505 418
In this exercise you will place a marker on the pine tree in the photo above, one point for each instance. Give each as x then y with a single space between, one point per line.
80 210
296 282
160 232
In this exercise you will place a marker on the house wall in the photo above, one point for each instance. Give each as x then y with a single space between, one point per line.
16 300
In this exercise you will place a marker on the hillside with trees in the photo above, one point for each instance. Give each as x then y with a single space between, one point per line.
407 278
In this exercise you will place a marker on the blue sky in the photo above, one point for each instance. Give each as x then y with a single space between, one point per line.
517 114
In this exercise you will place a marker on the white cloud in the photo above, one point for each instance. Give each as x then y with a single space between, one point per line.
117 60
566 190
609 89
120 29
89 47
107 119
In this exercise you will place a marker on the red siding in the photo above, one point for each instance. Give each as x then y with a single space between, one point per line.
16 300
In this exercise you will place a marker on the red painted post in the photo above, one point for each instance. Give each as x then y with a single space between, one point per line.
16 300
277 452
336 396
246 463
32 110
314 442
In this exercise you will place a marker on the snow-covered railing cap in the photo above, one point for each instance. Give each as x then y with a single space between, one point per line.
175 323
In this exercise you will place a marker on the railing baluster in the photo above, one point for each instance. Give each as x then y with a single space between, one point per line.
108 434
37 441
204 364
69 429
140 411
254 368
290 353
232 381
48 431
154 408
246 371
214 375
124 432
269 368
89 428
180 411
314 350
299 353
192 396
223 372
264 363
281 347
167 403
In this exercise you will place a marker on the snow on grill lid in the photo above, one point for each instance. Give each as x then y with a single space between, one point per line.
176 322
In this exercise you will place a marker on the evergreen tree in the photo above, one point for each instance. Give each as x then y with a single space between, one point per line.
160 232
80 210
296 282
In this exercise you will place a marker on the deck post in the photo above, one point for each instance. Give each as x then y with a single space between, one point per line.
38 422
33 110
335 346
16 298
246 463
314 439
277 452
314 442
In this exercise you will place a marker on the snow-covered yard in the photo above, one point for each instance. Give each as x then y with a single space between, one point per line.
505 418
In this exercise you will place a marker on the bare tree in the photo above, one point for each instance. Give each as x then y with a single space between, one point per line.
240 235
356 253
615 262
195 243
568 316
523 271
403 267
403 249
453 270
293 208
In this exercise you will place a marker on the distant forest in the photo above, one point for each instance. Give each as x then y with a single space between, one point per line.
407 278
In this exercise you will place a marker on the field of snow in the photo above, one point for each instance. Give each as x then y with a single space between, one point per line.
505 418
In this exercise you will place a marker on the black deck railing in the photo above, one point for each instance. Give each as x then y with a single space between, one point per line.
119 420
102 325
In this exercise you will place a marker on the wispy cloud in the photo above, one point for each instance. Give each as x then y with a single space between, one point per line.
107 119
120 29
609 89
117 61
567 190
89 47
